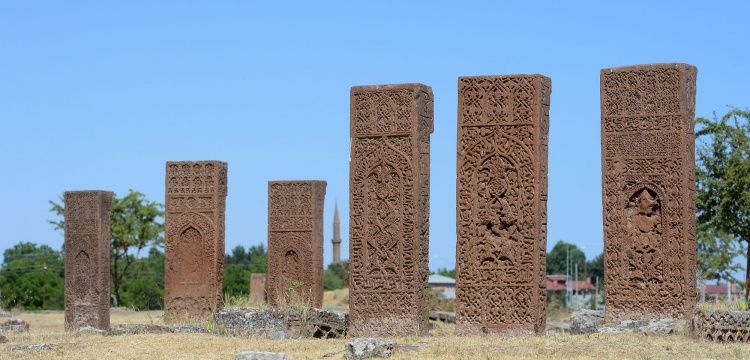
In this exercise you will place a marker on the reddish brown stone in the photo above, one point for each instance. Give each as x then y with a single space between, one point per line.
648 181
501 204
87 244
295 241
258 288
194 237
389 199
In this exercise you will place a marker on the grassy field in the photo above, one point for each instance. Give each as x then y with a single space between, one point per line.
48 327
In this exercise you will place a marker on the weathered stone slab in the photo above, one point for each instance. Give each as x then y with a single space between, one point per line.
276 324
14 325
33 347
648 180
389 217
258 288
194 238
723 326
138 329
585 321
501 208
295 242
87 246
652 327
259 355
368 348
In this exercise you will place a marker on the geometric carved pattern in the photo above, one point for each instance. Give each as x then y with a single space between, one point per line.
194 237
389 198
501 204
87 243
295 241
648 185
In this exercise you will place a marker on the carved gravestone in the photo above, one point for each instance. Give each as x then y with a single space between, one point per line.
389 199
258 288
648 180
295 242
194 238
501 204
87 244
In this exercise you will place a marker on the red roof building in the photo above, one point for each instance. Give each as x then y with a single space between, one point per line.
560 283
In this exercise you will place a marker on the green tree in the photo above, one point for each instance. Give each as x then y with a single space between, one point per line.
716 254
336 276
135 225
31 277
143 286
239 264
595 269
557 259
723 180
446 272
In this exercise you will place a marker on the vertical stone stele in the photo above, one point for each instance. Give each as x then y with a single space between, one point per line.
194 238
258 288
501 204
87 244
648 191
295 242
389 217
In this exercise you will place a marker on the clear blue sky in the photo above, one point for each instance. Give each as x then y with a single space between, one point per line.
99 96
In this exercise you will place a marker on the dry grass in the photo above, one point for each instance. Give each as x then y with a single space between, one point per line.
48 327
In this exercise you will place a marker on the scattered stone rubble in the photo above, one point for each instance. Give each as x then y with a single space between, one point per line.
258 355
367 348
276 324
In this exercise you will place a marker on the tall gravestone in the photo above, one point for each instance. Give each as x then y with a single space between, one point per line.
648 180
194 237
87 244
389 200
258 288
295 242
501 204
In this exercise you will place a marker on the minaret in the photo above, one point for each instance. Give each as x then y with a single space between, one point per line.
336 236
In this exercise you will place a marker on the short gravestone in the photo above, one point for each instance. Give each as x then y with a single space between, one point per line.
87 246
295 242
194 238
258 288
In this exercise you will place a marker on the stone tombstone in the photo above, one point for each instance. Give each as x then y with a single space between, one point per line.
87 244
295 241
389 201
258 288
194 238
648 191
501 204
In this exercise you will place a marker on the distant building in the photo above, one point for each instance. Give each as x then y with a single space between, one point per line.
446 285
720 292
578 292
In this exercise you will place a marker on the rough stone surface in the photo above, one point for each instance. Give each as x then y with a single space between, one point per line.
87 243
137 329
275 324
722 326
653 326
258 288
3 339
33 347
257 355
194 238
501 204
14 325
295 242
5 314
89 330
444 316
648 180
368 348
585 321
389 201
